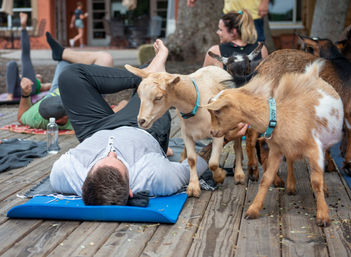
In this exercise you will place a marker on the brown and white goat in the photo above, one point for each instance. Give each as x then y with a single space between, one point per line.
160 91
309 119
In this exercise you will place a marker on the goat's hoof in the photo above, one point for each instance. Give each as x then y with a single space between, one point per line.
219 175
322 221
251 214
253 173
347 168
278 182
193 190
330 167
291 191
239 178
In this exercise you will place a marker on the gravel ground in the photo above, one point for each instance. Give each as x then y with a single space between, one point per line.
48 73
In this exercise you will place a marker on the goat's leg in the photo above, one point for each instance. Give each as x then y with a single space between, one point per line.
347 159
183 155
252 163
274 160
194 184
217 146
317 182
329 163
290 183
239 175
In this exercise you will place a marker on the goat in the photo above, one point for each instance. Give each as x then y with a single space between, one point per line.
161 90
298 133
242 68
342 67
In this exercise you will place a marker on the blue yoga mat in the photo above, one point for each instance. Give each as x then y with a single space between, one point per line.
335 153
160 210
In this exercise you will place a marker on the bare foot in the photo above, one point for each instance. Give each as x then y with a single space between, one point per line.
23 19
9 97
161 54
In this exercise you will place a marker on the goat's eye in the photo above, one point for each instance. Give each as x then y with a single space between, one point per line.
158 98
216 112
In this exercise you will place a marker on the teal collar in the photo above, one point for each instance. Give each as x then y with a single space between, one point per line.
272 118
197 104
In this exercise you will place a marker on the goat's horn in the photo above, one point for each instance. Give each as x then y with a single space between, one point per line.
255 52
222 59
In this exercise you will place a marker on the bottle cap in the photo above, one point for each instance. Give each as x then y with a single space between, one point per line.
52 120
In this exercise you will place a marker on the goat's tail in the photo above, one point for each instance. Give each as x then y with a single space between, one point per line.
315 68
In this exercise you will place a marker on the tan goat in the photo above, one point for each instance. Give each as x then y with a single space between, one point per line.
160 91
309 119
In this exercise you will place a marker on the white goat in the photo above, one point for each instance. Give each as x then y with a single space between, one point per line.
309 119
160 91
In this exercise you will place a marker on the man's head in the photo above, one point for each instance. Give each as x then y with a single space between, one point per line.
107 183
53 107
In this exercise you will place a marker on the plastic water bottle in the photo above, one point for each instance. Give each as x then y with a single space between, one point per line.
52 132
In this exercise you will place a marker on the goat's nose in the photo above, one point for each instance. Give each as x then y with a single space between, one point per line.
141 122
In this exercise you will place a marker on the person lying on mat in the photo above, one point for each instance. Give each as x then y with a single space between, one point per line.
37 115
115 159
13 79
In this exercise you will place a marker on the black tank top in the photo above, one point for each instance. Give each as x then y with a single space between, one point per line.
228 49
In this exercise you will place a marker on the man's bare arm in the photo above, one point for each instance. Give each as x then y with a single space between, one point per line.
26 101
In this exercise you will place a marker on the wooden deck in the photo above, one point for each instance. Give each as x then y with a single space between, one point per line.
212 225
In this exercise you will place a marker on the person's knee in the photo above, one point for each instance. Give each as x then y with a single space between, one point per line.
104 59
12 65
68 76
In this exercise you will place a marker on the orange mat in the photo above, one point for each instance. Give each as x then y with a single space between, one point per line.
25 129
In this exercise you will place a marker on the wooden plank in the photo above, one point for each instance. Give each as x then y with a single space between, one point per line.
175 240
219 227
129 239
260 237
300 234
338 235
43 239
85 240
14 230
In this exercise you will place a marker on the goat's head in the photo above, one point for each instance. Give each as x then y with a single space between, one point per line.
344 44
224 115
153 94
318 46
238 64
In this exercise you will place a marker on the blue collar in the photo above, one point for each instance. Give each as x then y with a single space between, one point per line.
197 104
272 118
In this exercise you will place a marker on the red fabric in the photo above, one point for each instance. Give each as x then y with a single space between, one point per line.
25 129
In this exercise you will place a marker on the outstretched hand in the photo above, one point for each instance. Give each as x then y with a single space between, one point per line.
26 86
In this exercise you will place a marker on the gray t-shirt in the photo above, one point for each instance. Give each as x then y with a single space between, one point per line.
149 168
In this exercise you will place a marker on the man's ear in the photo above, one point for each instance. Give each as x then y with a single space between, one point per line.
136 71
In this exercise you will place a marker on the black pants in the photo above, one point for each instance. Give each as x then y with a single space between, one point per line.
13 79
81 87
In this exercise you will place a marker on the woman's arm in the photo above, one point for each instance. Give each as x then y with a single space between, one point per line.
211 61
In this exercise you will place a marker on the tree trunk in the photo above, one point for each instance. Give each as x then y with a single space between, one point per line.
195 31
329 18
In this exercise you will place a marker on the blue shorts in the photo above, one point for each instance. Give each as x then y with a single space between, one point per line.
79 24
259 25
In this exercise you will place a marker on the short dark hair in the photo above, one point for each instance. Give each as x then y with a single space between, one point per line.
105 186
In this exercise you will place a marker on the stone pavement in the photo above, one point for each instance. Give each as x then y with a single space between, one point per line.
43 56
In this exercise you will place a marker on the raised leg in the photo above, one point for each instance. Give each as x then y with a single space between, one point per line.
194 184
239 176
274 160
217 146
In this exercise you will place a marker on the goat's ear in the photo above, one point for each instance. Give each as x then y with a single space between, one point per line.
222 59
173 81
138 72
255 52
215 105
